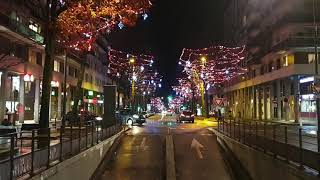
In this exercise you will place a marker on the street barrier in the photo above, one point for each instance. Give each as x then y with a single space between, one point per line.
284 142
31 152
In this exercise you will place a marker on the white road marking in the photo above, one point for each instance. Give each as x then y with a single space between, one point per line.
196 145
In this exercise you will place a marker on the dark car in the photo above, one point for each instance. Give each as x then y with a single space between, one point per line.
127 117
186 116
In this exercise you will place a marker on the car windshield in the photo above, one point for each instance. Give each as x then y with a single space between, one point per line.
188 113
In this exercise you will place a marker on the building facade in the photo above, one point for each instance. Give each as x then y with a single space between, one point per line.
279 35
21 68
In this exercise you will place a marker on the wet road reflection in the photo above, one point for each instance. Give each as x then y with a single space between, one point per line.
142 152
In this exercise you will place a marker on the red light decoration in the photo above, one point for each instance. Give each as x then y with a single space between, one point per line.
137 68
83 20
213 65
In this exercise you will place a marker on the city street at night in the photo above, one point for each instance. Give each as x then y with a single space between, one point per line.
141 153
159 89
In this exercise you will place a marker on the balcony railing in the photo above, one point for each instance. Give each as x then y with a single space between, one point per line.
20 28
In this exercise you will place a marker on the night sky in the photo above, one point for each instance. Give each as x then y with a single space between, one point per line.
171 26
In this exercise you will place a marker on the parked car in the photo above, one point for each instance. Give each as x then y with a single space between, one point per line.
127 117
186 116
169 112
145 114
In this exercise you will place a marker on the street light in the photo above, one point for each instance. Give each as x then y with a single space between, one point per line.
203 60
132 60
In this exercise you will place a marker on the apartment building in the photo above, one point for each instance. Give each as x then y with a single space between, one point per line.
21 68
279 35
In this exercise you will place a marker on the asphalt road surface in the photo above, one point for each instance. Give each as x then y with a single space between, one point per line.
141 154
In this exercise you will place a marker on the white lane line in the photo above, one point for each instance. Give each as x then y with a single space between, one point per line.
170 162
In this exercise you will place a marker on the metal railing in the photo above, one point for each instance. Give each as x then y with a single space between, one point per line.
31 152
285 142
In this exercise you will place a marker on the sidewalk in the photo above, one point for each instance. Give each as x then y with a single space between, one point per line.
289 122
205 119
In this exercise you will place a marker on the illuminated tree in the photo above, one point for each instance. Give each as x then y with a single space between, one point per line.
208 67
75 24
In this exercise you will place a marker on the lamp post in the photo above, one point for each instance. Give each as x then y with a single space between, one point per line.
64 89
204 93
132 62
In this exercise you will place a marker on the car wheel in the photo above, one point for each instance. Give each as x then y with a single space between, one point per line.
192 121
130 122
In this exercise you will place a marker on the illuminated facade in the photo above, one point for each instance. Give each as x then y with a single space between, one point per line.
279 35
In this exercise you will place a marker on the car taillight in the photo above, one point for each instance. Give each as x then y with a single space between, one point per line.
183 115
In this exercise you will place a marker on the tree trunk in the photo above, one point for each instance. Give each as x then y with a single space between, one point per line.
50 37
79 90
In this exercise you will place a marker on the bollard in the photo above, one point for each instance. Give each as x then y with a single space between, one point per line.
300 148
48 155
256 134
11 155
230 128
92 133
86 136
61 139
264 137
274 140
239 128
32 152
244 132
286 140
223 126
250 133
97 131
71 139
79 134
234 129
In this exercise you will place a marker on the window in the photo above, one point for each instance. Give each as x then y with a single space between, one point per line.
56 66
244 21
262 70
311 58
76 72
39 58
288 60
86 78
33 57
34 26
61 67
71 71
278 66
270 67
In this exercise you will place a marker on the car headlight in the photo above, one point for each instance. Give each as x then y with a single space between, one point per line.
136 116
99 118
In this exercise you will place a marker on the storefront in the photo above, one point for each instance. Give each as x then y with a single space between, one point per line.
308 110
93 102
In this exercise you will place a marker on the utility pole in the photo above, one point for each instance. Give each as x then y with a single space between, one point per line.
316 81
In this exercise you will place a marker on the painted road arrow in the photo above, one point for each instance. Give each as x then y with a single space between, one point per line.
196 145
143 146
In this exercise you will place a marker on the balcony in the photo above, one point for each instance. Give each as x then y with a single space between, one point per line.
284 72
20 28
